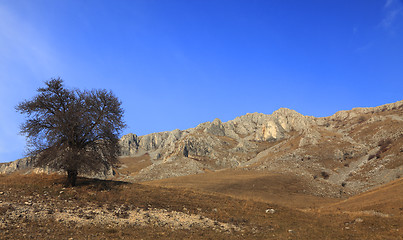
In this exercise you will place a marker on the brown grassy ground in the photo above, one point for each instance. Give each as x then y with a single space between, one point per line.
249 215
132 165
386 199
285 190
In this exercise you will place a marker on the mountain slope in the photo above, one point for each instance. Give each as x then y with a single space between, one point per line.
386 199
343 154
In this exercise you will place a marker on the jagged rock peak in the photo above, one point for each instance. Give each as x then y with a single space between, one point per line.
217 121
285 111
348 114
253 117
254 126
216 128
292 120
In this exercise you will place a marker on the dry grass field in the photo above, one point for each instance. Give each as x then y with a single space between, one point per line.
386 199
238 206
132 165
285 190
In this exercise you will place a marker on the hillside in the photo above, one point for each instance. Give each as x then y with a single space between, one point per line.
385 200
341 155
337 156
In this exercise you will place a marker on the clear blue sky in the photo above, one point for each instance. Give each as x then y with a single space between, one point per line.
175 64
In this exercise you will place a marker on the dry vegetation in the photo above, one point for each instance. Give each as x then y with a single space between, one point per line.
132 165
387 199
31 206
285 190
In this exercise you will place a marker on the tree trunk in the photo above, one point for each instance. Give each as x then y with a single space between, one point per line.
72 178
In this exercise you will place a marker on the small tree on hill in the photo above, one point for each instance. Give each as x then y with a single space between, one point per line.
72 130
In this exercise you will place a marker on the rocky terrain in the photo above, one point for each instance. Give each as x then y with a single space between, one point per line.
341 155
37 206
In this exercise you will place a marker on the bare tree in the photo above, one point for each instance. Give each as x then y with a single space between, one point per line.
72 130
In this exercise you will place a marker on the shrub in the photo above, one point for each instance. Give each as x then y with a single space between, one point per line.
361 119
384 144
325 175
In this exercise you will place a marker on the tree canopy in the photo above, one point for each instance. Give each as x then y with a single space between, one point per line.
72 130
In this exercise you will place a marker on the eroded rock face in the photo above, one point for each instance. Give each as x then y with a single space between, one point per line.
271 131
26 165
129 144
20 164
215 128
291 120
198 141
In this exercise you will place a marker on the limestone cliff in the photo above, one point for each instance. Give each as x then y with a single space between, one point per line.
212 139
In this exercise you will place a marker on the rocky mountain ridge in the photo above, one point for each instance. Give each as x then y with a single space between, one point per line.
342 154
250 127
345 153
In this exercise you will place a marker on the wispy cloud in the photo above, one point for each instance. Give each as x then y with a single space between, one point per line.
21 42
364 48
391 17
393 12
26 56
388 3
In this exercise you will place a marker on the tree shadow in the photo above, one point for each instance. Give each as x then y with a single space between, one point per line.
99 184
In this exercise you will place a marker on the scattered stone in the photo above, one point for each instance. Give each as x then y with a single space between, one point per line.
93 214
270 210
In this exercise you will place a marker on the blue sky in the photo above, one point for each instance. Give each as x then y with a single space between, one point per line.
175 64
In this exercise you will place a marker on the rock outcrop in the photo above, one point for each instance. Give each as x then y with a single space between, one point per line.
202 140
26 165
17 165
129 144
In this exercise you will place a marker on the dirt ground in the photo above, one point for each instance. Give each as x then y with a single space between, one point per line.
40 207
